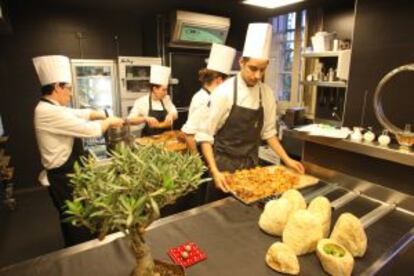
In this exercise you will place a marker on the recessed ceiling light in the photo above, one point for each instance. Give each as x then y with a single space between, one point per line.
270 4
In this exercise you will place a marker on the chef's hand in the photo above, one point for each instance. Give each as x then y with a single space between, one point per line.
152 122
169 119
295 165
220 181
115 121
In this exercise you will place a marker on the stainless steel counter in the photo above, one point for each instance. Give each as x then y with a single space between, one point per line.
227 231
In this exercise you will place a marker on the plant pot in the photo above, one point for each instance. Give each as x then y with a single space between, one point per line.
168 269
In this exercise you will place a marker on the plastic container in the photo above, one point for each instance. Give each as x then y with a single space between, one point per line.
322 41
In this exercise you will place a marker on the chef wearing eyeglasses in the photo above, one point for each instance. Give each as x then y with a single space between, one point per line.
58 131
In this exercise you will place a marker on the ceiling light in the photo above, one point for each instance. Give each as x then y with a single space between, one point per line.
270 4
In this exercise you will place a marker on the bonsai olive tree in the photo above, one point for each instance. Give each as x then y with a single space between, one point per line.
126 193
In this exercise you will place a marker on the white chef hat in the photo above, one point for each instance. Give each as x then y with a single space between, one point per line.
160 75
52 69
221 58
258 41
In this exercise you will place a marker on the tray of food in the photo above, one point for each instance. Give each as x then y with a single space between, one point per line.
253 185
170 140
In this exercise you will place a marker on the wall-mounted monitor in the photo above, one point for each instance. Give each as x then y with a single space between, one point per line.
191 29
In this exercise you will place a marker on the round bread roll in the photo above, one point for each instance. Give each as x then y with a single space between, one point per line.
349 232
321 207
295 198
335 259
302 232
281 258
274 216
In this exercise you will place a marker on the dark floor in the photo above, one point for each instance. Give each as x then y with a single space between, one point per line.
32 229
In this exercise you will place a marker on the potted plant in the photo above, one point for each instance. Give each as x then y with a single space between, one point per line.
126 193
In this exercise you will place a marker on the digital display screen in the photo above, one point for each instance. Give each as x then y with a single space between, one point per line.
203 35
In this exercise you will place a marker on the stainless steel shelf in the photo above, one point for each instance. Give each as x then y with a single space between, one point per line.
393 154
137 78
93 77
339 84
321 54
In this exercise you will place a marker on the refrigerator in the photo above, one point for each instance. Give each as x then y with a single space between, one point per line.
134 77
95 87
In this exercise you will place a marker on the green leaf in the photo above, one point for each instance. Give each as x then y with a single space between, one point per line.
168 182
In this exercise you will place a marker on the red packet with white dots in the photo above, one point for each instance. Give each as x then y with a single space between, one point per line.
187 254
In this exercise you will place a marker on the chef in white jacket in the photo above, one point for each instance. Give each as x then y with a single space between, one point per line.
242 114
155 110
218 68
58 129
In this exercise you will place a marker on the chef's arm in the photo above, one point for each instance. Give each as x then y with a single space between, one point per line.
207 150
97 115
219 178
136 120
274 143
110 122
167 123
191 143
164 124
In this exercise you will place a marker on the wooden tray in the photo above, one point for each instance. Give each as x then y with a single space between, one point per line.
293 179
169 140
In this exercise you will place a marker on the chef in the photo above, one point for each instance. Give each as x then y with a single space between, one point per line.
156 110
242 113
219 65
58 128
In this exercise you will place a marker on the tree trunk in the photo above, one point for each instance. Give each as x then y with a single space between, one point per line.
145 262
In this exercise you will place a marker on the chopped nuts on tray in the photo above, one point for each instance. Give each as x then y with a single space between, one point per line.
251 185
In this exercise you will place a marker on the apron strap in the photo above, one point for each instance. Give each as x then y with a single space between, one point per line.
150 103
235 91
47 101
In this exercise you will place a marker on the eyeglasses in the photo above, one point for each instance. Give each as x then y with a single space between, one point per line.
68 87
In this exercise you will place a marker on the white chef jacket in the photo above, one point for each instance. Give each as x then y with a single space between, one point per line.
198 112
56 127
222 102
141 107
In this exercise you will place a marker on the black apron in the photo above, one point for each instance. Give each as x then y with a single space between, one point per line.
60 190
236 144
157 114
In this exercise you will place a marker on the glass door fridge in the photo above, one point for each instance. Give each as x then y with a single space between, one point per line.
95 87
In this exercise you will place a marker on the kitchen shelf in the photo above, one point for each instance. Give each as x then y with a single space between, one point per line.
390 153
321 54
138 78
93 77
339 84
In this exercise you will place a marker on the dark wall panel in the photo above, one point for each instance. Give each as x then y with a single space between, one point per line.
340 19
383 40
40 31
51 27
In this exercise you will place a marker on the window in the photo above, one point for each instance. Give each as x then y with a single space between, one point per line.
283 74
